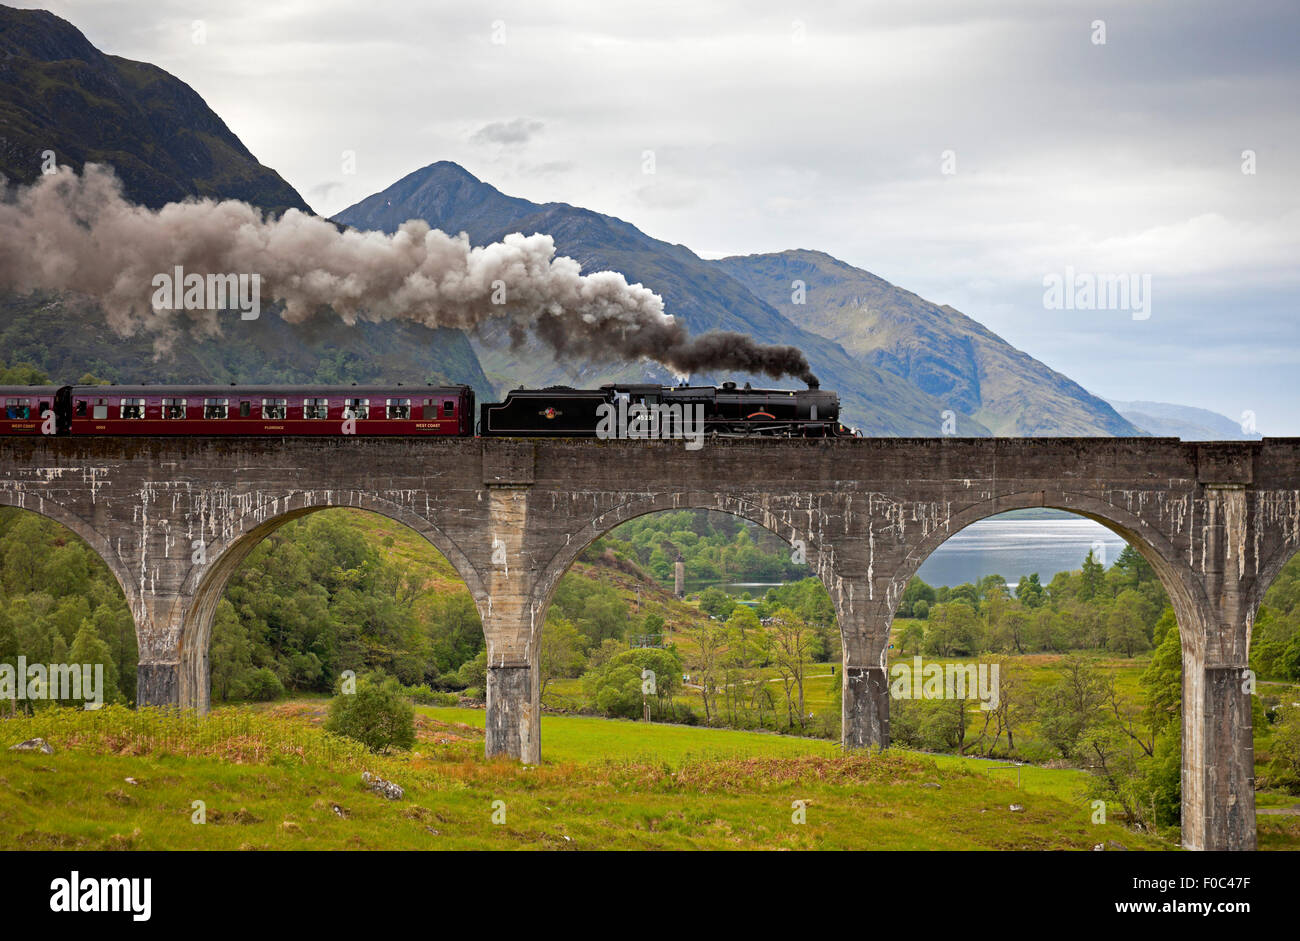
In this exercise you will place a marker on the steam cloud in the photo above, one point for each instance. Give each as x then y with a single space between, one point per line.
77 233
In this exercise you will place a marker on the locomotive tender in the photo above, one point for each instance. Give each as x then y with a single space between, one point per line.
375 409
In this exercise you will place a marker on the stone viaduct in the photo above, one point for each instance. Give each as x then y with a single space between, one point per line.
173 518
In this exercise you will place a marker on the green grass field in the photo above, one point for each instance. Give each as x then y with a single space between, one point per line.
272 779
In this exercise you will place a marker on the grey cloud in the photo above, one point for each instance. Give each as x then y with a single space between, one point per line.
507 133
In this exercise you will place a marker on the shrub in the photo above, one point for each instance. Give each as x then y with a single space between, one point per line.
263 685
426 696
378 715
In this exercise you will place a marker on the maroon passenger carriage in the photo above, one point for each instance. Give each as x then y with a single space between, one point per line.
271 410
25 409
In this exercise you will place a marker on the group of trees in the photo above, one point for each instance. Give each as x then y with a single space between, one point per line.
713 547
1132 745
60 604
1094 608
317 597
1275 646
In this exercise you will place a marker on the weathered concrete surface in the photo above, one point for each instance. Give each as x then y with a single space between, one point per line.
173 518
865 710
513 711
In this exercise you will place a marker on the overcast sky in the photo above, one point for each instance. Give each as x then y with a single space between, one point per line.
787 125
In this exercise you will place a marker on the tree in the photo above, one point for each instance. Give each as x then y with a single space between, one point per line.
1072 705
231 654
378 715
717 603
1029 592
454 629
1162 680
1003 717
1013 630
633 678
604 617
89 648
560 651
1094 579
915 591
911 637
743 631
1284 750
1124 628
993 586
952 630
792 637
710 639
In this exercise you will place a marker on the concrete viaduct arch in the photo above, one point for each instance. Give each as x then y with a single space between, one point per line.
205 584
1216 520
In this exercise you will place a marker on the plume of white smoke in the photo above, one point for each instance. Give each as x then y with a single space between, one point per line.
77 233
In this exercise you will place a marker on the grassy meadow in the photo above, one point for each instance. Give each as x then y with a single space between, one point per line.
271 778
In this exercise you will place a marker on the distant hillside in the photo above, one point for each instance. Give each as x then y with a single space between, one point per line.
67 338
938 349
1183 421
703 296
58 92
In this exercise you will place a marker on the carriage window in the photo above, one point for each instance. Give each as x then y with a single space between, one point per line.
42 408
429 410
448 408
245 409
132 408
315 408
274 408
173 408
356 408
18 408
80 409
215 408
100 410
399 408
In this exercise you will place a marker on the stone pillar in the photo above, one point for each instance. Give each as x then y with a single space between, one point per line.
1218 765
159 679
513 704
158 684
679 579
513 713
509 621
865 711
1218 762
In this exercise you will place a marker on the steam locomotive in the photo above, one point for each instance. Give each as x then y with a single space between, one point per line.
280 410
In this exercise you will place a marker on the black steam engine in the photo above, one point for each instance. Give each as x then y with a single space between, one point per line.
564 412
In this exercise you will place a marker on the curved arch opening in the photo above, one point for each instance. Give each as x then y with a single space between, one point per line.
302 597
1070 623
1275 708
730 622
62 603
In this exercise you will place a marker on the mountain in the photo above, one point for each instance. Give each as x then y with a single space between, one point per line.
702 295
58 92
1183 421
940 350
